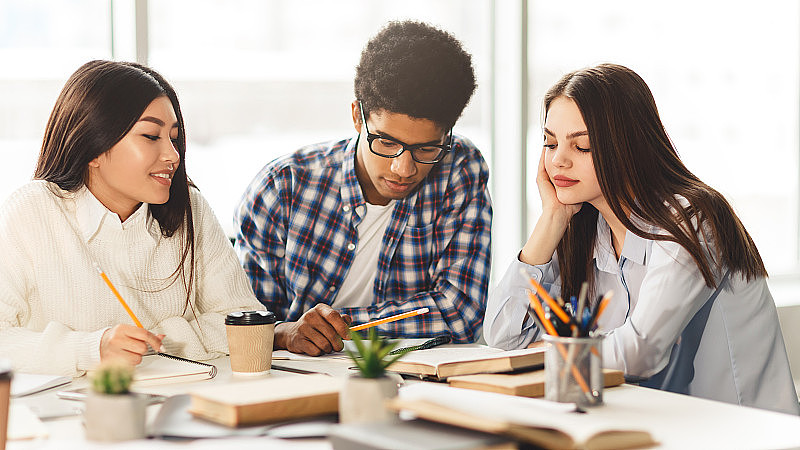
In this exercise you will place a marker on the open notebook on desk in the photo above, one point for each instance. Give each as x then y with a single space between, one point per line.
162 368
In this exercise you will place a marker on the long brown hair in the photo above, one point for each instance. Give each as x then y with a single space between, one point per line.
97 107
639 171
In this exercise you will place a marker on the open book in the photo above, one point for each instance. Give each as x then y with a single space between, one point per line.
450 360
267 400
539 422
285 355
526 384
162 368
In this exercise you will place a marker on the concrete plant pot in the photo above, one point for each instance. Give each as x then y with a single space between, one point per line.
362 400
115 417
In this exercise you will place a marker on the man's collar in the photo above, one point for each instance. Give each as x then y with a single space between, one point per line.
352 195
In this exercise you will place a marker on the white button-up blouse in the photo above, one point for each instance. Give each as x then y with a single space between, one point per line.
665 324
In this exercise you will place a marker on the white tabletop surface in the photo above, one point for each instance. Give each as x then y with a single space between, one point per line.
676 421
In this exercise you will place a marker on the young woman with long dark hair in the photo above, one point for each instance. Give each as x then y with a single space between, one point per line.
110 191
692 312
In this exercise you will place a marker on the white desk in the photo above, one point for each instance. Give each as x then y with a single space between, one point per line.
676 421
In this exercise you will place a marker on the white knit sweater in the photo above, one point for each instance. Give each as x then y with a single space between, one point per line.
54 306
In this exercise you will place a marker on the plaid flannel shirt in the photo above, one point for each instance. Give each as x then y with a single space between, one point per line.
296 235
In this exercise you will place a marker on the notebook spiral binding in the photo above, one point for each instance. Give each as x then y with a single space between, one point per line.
213 371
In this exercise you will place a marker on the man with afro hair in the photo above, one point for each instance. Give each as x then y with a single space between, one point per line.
391 220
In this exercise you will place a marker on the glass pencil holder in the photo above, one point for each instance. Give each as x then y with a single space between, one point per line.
573 370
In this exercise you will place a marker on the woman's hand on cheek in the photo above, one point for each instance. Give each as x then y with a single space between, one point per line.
547 192
551 224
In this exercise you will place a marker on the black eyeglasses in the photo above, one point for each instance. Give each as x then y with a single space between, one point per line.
392 148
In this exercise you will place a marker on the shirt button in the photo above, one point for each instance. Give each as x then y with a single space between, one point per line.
332 288
346 208
351 246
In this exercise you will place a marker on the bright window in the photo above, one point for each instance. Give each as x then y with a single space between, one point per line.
261 79
725 80
40 46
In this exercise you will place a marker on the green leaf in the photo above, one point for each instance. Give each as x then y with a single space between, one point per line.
359 341
372 352
387 348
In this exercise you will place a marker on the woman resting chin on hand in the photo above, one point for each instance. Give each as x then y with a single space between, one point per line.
692 312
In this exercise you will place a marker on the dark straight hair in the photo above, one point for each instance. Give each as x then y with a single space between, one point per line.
639 171
97 107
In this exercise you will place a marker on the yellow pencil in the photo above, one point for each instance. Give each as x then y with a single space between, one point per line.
553 305
406 315
119 297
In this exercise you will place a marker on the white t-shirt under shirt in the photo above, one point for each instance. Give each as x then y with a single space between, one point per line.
356 290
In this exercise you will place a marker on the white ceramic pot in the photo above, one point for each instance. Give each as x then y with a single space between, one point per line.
115 417
362 400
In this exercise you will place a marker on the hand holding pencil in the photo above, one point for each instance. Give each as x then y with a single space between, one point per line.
321 330
126 342
318 331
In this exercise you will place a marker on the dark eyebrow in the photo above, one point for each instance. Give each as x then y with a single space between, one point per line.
389 136
569 136
152 119
577 133
156 121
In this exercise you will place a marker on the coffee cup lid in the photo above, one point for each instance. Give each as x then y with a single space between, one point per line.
250 318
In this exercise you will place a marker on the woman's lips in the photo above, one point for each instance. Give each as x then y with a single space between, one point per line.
562 181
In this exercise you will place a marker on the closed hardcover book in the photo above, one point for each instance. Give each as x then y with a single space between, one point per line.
527 384
451 360
267 400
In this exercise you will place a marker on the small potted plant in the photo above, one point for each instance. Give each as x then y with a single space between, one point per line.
113 413
363 395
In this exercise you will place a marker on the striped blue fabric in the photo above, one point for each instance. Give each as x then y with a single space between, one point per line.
298 216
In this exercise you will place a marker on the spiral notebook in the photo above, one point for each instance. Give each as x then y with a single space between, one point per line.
162 368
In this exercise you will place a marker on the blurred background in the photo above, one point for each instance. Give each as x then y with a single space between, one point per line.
261 78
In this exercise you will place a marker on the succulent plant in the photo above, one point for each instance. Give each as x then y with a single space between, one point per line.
373 354
113 378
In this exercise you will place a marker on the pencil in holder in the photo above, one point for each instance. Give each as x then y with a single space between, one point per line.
573 370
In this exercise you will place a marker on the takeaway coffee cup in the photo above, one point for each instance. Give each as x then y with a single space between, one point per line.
5 396
250 336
